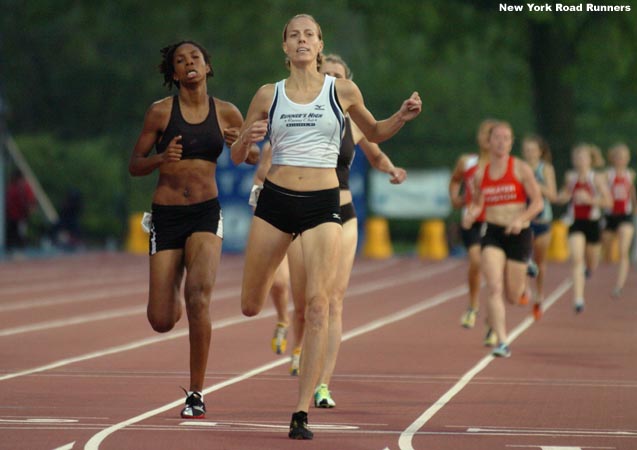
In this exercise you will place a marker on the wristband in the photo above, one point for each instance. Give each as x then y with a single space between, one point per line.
254 194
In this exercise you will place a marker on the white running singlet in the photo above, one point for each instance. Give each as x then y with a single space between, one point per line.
307 135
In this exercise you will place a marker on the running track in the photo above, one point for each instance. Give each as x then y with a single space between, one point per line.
80 368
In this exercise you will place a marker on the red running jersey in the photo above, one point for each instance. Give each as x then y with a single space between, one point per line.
620 186
505 190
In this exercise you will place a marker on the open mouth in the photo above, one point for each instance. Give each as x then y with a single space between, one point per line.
191 73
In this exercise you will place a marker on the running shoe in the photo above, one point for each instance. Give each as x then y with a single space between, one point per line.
468 319
279 340
524 299
323 397
579 305
532 269
537 311
588 273
491 338
295 362
501 351
195 408
298 427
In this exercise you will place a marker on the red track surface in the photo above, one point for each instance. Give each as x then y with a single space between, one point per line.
80 368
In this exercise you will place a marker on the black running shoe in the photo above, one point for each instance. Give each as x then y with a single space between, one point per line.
298 427
195 408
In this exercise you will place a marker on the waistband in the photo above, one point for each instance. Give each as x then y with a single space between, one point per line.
285 191
213 202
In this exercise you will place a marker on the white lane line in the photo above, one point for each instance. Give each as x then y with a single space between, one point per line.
96 440
222 294
134 345
283 426
406 313
406 437
362 267
96 280
415 274
552 447
77 320
221 324
529 432
215 326
66 447
71 298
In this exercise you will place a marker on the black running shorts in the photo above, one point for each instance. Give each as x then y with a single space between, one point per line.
294 212
471 236
590 228
348 212
516 247
614 220
172 225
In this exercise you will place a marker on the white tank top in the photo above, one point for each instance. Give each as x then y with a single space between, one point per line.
307 135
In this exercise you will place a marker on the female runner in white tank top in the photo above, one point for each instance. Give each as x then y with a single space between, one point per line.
305 122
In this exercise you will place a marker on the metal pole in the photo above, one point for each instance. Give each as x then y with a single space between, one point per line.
3 219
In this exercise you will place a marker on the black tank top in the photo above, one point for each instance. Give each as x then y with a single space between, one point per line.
200 141
345 157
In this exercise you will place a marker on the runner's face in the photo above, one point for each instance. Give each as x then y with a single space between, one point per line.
302 42
189 64
621 158
334 69
531 151
582 159
501 141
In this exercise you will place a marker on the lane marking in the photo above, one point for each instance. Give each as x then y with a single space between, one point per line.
315 426
45 420
99 280
77 320
66 447
530 431
218 296
552 447
96 440
422 274
106 292
416 274
406 437
234 320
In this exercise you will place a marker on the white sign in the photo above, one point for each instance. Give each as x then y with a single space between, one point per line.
424 194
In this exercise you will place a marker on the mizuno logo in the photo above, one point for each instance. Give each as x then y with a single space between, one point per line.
336 216
319 107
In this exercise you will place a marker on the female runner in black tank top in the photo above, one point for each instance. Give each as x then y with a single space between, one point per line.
186 227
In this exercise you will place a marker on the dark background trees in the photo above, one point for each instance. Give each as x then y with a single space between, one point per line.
78 76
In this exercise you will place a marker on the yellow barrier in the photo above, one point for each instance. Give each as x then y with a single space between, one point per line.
377 240
558 247
137 239
432 240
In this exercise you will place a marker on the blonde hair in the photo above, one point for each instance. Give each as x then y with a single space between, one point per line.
501 124
337 59
597 160
545 150
483 134
615 149
319 57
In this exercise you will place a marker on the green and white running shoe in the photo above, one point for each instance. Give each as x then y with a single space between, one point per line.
501 351
323 397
